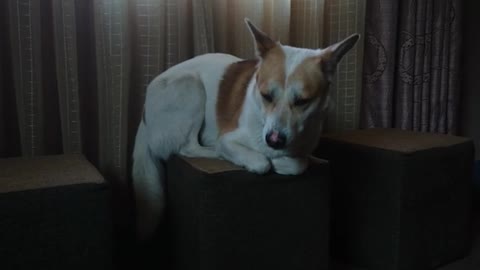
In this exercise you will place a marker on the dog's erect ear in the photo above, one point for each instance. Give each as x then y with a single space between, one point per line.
263 43
332 55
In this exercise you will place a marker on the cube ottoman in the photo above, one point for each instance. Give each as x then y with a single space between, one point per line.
54 214
223 217
401 199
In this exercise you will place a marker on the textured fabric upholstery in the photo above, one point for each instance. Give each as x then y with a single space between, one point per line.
55 214
223 217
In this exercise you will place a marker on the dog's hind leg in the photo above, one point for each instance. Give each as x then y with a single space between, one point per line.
193 148
196 150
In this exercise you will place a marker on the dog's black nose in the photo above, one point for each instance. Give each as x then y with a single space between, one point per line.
276 140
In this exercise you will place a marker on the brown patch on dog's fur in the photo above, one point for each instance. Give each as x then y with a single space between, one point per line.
232 92
272 69
310 74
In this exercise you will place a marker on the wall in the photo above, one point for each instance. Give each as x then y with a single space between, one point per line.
471 74
471 84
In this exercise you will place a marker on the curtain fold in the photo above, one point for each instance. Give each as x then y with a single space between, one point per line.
26 53
74 73
65 32
412 65
113 69
308 23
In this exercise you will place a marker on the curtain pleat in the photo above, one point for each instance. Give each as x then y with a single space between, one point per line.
203 38
26 49
277 19
113 68
308 23
65 32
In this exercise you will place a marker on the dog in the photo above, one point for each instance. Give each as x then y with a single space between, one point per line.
262 114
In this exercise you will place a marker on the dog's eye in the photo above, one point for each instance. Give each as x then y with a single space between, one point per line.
301 101
267 97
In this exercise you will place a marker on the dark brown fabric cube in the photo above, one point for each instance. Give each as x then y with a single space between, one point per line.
54 214
223 217
401 199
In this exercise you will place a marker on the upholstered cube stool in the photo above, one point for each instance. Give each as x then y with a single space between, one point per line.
223 217
401 200
54 214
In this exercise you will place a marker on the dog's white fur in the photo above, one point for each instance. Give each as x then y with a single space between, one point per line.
180 118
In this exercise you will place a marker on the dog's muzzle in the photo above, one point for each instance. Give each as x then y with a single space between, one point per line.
276 140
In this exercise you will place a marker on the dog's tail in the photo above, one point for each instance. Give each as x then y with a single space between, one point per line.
148 184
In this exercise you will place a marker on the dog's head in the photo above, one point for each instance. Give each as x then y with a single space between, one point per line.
292 84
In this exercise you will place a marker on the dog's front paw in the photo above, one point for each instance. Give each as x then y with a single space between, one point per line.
258 164
290 166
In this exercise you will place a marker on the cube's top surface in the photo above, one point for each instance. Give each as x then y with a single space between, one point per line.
395 139
18 174
214 166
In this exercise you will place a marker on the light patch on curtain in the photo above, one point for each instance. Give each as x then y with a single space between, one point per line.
25 44
343 18
307 23
113 62
67 73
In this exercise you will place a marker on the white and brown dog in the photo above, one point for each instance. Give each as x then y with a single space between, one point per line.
260 114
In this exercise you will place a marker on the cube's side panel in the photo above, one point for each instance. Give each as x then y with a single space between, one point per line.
238 220
366 193
182 192
436 211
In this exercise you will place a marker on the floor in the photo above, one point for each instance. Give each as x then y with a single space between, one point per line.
471 262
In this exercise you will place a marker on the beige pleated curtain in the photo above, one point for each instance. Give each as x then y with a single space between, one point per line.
73 73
